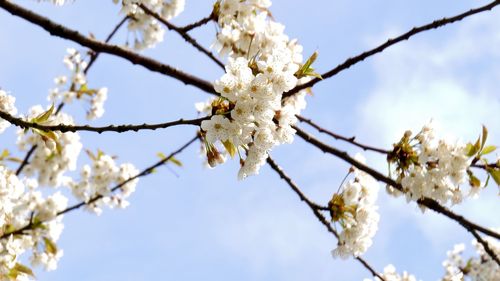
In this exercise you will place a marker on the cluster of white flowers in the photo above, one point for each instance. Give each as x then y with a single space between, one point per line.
147 30
6 105
355 210
55 153
58 2
438 167
478 268
390 274
21 204
67 90
98 179
261 67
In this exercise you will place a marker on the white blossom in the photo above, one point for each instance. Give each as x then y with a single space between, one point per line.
355 210
6 105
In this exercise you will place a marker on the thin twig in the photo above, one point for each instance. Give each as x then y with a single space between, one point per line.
198 23
99 46
359 58
26 160
485 245
94 55
486 166
427 202
182 33
351 140
315 208
110 128
144 172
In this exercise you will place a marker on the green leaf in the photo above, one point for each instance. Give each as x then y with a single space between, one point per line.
100 153
175 161
43 117
47 135
5 153
473 180
472 149
9 228
171 159
50 246
487 180
20 269
495 174
311 60
488 149
306 69
230 148
484 136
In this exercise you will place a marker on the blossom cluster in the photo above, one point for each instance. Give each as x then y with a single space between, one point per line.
27 209
355 210
477 268
22 204
6 105
75 87
146 29
99 178
431 167
262 65
55 153
390 274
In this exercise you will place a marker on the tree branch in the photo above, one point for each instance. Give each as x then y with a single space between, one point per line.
110 128
94 55
315 208
182 33
144 172
199 23
351 140
354 60
427 202
99 46
485 245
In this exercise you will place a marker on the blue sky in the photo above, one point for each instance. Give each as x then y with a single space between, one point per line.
204 223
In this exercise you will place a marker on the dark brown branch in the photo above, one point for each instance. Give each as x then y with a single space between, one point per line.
144 172
427 202
359 58
182 33
99 46
111 128
25 160
199 23
351 140
485 166
315 208
94 55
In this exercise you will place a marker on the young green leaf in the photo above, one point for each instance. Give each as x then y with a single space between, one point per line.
488 149
43 117
230 148
495 174
484 136
20 269
50 246
175 161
